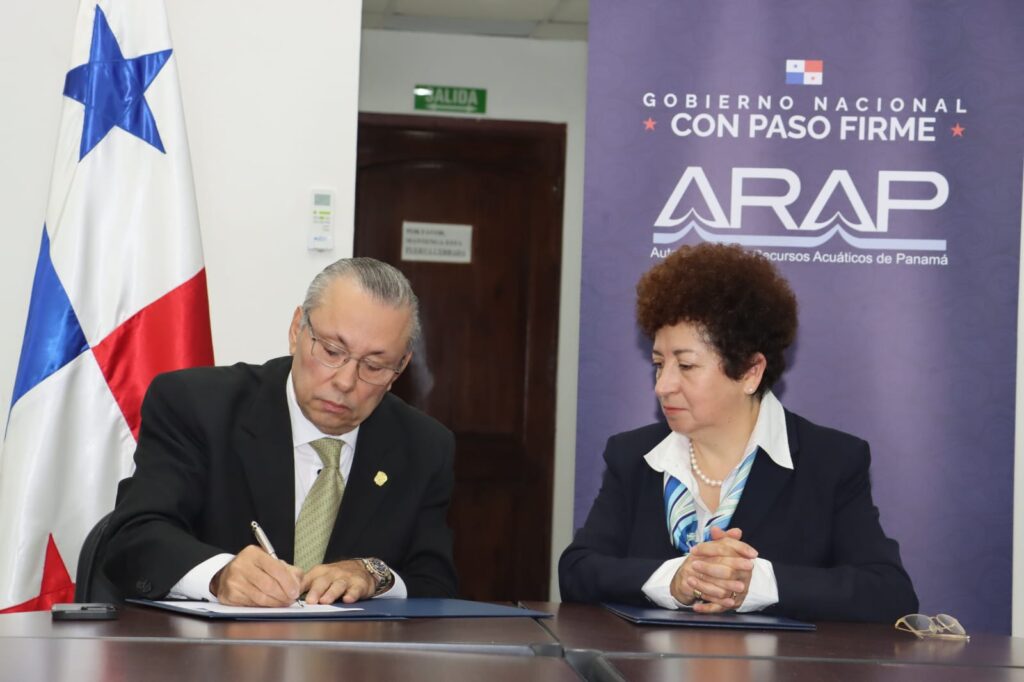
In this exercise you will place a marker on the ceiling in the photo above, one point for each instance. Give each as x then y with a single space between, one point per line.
540 19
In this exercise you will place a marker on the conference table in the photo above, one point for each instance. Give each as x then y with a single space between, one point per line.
577 642
602 646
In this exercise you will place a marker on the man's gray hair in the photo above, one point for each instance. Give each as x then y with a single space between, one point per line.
384 283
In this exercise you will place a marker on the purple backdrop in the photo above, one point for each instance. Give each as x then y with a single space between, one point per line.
914 138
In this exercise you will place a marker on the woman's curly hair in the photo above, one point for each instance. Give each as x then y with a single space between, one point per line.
736 298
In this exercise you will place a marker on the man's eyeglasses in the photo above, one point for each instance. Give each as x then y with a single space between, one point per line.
942 626
335 357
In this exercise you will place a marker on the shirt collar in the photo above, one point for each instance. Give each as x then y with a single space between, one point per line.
769 434
305 431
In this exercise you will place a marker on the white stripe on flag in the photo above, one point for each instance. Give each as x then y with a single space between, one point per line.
65 437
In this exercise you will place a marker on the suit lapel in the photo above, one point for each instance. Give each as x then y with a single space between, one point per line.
379 449
263 442
652 528
766 481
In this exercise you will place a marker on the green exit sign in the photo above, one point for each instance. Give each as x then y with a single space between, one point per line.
450 98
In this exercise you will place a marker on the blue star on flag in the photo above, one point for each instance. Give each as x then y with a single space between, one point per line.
112 89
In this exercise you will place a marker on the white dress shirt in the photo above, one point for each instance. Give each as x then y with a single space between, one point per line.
196 583
672 457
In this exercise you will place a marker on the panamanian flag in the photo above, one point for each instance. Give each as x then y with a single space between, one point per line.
805 71
119 295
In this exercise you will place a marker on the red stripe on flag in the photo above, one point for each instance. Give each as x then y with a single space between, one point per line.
56 586
171 333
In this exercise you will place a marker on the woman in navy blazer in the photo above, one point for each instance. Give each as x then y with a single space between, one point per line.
734 503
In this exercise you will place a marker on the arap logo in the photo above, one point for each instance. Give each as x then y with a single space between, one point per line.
838 181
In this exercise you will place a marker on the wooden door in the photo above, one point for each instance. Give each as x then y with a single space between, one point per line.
486 364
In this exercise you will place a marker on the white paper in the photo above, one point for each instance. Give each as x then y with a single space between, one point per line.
213 607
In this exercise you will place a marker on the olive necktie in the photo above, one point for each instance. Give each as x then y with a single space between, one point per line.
320 508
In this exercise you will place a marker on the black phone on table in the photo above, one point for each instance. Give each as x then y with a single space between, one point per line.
89 611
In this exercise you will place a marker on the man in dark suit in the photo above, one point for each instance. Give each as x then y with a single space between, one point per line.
221 447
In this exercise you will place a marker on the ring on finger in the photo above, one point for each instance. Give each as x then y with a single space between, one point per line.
698 595
732 596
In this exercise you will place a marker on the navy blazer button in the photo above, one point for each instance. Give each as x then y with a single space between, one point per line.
144 586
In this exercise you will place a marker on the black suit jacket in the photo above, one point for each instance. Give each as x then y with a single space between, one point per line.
215 453
816 523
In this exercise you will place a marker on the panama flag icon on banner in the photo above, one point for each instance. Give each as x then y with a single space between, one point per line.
804 71
119 295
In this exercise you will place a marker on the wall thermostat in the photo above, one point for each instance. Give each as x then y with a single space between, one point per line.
321 226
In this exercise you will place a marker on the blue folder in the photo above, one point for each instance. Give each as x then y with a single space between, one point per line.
447 608
686 618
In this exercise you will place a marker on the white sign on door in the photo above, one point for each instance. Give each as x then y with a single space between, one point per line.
437 242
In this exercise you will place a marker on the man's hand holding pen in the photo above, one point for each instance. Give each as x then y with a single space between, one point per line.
255 578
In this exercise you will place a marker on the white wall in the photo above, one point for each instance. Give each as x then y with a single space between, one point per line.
269 99
35 46
526 80
268 92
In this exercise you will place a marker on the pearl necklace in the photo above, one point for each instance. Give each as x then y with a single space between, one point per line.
700 474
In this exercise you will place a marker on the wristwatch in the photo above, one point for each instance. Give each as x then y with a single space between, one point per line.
384 576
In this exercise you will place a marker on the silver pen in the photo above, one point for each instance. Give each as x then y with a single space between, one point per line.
264 541
262 538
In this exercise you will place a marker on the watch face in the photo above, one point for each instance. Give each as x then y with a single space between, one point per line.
382 574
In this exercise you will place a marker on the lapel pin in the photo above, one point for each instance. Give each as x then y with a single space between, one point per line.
380 479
